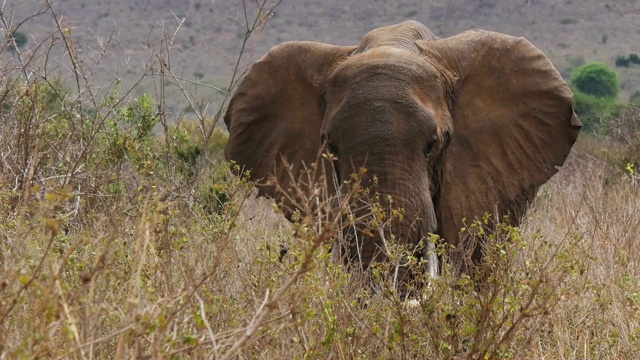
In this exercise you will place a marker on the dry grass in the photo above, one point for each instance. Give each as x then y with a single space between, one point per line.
598 315
116 242
168 278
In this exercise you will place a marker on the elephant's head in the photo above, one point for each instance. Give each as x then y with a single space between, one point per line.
449 128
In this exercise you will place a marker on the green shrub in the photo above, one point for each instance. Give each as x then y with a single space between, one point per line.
188 144
129 133
596 79
596 87
622 61
594 112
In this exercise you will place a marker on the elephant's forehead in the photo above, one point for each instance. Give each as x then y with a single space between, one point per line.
404 66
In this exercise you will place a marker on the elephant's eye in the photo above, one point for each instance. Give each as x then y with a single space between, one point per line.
447 137
431 145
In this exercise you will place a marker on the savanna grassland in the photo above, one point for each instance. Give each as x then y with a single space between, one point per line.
123 233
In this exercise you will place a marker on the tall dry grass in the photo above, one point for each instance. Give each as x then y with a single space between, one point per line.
597 317
118 242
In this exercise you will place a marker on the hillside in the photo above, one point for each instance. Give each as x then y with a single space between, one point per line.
207 44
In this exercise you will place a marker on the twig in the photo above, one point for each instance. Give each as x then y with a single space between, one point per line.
212 336
96 341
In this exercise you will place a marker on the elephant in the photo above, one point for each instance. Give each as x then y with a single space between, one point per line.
448 128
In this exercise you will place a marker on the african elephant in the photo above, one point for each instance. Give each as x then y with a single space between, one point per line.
450 128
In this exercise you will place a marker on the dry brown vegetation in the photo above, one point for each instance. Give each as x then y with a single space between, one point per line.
120 242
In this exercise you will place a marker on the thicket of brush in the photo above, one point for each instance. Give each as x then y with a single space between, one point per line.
123 235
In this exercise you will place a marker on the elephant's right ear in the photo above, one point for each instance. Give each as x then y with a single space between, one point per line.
513 122
274 118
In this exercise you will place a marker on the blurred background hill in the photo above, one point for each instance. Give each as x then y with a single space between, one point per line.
208 41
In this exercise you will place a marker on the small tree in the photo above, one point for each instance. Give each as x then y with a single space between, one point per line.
596 88
622 61
595 112
596 79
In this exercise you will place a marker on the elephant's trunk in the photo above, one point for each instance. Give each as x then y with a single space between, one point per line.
401 212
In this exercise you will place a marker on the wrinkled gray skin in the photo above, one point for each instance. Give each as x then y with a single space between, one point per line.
370 91
448 128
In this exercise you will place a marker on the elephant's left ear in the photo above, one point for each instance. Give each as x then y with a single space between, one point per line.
514 124
275 115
